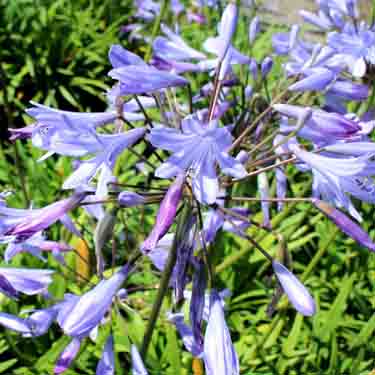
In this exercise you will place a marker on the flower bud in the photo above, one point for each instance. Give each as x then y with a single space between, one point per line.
227 28
348 226
297 294
166 214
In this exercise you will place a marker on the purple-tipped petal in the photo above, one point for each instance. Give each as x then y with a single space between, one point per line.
345 224
166 213
106 365
67 356
297 294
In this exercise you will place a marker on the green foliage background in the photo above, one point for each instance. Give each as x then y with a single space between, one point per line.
55 52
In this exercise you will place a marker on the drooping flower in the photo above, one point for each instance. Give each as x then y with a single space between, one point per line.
197 149
297 294
25 280
37 324
82 314
130 70
35 245
219 354
17 225
166 213
335 176
106 365
67 356
173 47
345 224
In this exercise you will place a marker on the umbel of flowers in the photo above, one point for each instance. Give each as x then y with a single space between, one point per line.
204 145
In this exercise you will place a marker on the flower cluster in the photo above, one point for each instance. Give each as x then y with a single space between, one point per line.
198 148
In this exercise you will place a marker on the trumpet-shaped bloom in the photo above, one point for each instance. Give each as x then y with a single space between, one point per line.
106 365
197 149
107 150
136 77
28 281
219 354
37 324
335 176
173 47
297 294
80 315
35 245
321 127
18 225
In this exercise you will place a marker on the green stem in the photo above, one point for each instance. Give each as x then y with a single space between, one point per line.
181 230
156 28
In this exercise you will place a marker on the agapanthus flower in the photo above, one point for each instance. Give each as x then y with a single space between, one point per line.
297 294
18 225
36 324
130 70
147 9
173 47
67 356
196 150
82 314
130 199
107 148
345 224
166 213
321 127
138 367
254 29
25 280
219 354
333 176
36 245
106 365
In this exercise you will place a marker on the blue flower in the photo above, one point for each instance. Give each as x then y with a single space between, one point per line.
219 354
197 149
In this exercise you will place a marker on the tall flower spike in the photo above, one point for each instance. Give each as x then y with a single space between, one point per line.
297 294
345 224
166 213
219 354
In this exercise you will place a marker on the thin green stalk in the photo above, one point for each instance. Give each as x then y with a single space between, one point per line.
182 223
156 28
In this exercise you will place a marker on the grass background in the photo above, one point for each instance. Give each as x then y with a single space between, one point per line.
55 52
